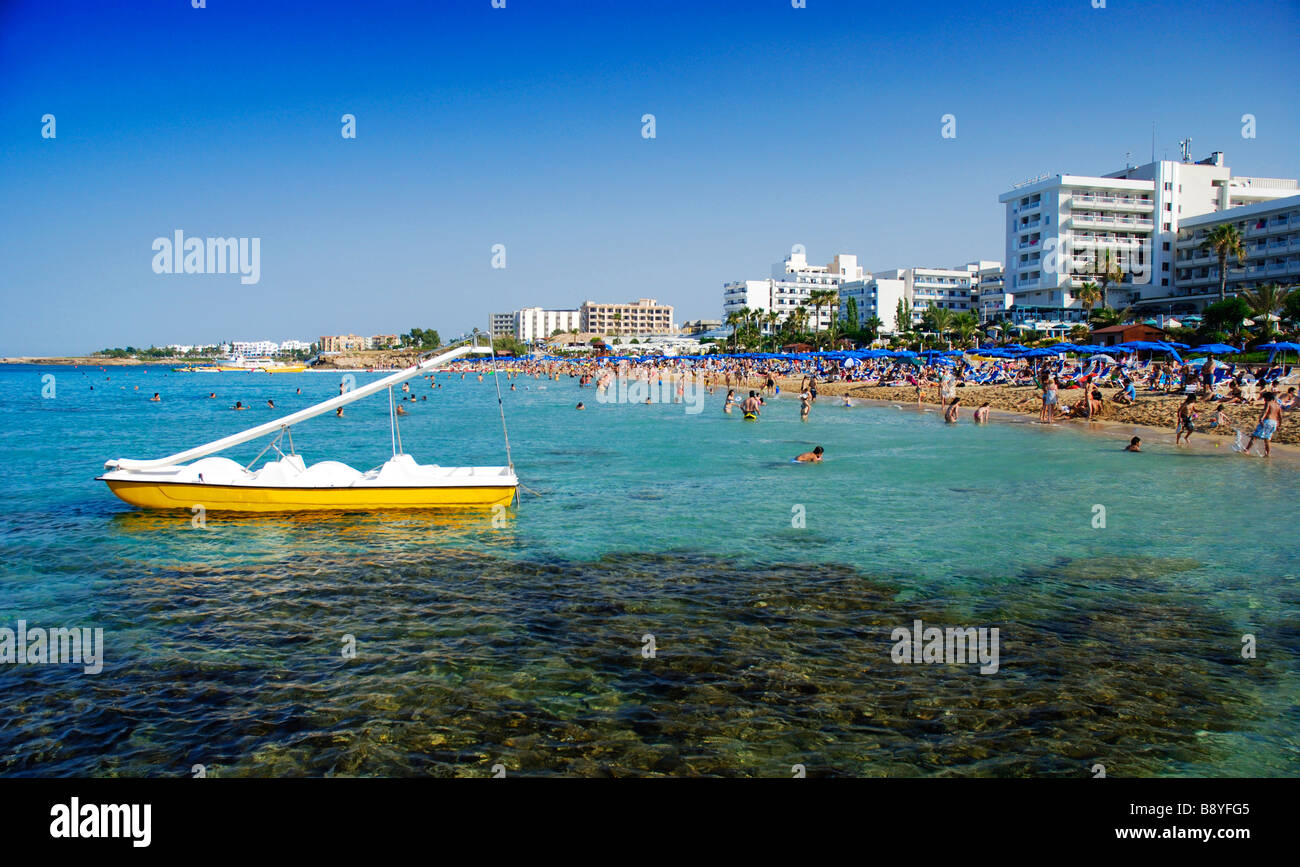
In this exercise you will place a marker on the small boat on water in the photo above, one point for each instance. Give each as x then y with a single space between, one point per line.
240 364
288 484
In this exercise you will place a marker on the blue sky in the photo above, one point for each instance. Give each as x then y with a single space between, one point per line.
479 126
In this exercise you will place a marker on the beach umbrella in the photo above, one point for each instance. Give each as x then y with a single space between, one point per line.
1101 356
1217 349
1173 323
904 353
1274 348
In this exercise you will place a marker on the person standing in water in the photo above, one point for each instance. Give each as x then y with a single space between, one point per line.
805 404
752 406
982 413
950 414
1186 423
1268 422
731 401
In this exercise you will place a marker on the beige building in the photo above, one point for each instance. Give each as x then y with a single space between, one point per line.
643 316
342 342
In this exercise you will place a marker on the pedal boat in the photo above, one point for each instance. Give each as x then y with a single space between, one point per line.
290 485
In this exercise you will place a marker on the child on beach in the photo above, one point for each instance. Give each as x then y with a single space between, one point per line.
1268 422
1186 424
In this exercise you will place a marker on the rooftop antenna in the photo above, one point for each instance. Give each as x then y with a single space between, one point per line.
1153 141
1128 160
1186 145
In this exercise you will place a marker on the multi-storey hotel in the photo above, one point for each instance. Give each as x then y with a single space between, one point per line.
1270 232
791 286
956 289
643 316
874 295
1061 230
502 325
535 323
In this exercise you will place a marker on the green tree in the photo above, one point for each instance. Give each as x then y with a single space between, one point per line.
1088 294
1266 301
1224 240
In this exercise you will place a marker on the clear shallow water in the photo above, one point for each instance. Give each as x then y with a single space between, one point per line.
522 644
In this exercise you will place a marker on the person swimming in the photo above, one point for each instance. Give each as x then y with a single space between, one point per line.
812 457
579 406
239 405
1134 445
155 398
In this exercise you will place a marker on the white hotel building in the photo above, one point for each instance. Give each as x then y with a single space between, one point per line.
955 289
1270 232
792 283
1059 229
535 323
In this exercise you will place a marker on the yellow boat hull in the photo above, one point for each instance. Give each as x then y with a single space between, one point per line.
246 498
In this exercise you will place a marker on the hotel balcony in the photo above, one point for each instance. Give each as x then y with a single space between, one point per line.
1116 203
1106 221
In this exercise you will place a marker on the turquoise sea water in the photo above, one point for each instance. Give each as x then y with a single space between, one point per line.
525 644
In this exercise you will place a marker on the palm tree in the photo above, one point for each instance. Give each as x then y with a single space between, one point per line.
938 320
1088 294
800 318
1224 240
833 301
1080 333
819 298
745 314
618 323
965 325
1110 272
733 319
873 324
772 319
1265 302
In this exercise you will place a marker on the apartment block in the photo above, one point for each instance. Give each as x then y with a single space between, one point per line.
643 316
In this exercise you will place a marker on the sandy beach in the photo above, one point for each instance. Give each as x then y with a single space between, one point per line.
1153 411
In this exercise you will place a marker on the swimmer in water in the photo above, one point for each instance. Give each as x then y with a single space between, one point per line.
1134 445
155 398
239 405
270 403
812 457
752 406
579 406
338 413
731 400
950 414
982 413
212 395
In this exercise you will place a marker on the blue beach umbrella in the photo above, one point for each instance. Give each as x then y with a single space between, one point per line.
1275 348
1217 349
